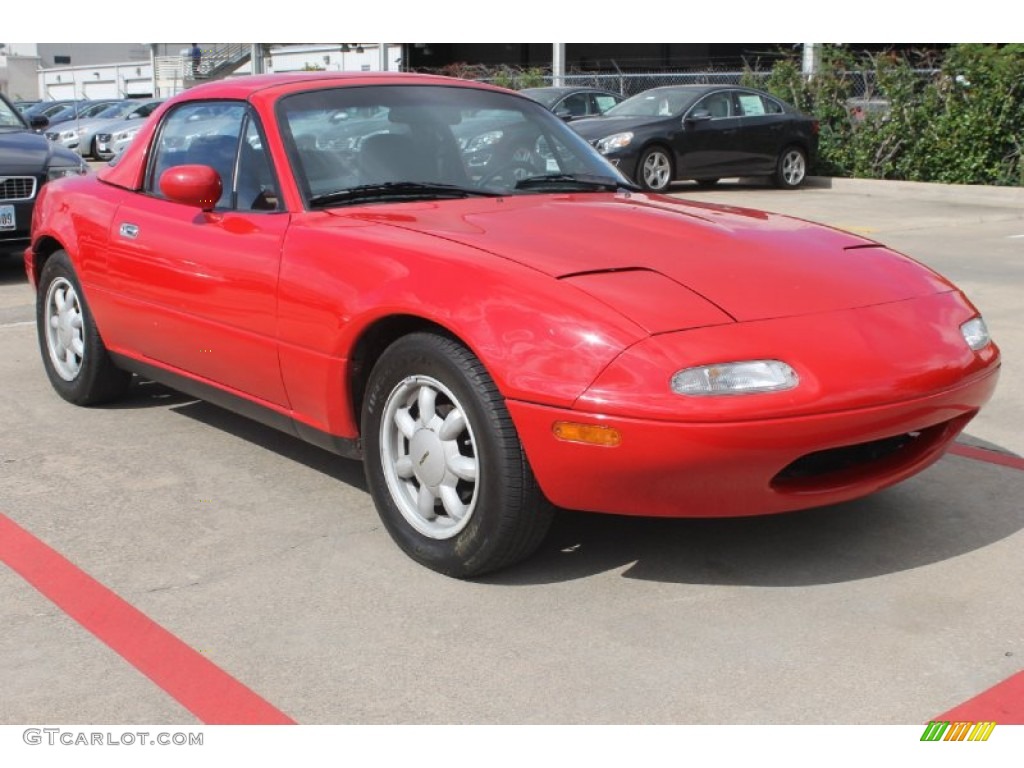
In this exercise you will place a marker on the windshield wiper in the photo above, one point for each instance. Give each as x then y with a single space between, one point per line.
397 190
574 181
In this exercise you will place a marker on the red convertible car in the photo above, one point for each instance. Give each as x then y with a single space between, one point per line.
441 278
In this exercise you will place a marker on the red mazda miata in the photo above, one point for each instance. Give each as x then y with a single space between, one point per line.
443 279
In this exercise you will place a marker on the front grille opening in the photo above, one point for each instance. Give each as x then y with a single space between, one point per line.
17 188
837 467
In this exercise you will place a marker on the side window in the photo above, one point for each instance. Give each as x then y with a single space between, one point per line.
717 104
604 103
755 105
255 189
576 104
145 110
199 133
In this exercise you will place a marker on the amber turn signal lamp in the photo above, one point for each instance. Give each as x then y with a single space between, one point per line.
591 434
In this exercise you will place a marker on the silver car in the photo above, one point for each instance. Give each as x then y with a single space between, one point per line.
83 136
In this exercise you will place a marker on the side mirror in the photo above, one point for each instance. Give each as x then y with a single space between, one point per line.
698 116
196 185
38 122
563 113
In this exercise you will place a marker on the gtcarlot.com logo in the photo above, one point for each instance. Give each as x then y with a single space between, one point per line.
55 736
943 730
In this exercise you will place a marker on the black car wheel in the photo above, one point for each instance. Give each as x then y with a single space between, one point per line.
791 168
654 171
74 356
444 463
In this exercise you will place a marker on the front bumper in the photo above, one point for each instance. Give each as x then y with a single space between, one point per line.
733 469
17 238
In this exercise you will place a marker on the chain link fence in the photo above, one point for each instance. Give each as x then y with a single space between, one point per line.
862 84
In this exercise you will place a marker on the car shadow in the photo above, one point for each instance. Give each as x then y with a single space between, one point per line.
12 270
955 507
149 394
744 184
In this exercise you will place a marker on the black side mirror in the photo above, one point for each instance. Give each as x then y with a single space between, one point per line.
564 114
698 116
38 122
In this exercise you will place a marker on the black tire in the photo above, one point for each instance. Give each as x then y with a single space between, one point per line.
470 526
707 183
75 359
790 168
655 170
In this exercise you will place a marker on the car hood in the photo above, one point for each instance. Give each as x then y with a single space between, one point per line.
23 152
592 128
749 264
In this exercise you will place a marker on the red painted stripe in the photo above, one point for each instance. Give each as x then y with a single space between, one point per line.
1002 704
982 454
199 685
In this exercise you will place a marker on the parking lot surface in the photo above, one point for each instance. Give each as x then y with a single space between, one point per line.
260 558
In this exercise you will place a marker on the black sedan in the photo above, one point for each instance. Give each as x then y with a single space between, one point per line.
27 161
704 133
574 103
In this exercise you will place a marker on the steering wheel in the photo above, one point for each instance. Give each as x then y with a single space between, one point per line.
507 175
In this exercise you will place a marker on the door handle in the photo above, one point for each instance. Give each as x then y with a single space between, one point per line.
129 230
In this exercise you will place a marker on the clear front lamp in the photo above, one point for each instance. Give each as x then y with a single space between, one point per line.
740 378
975 333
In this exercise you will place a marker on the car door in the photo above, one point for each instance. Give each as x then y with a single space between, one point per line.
707 146
762 131
200 287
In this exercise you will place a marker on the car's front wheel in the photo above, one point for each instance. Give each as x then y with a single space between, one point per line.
791 168
655 169
444 463
74 356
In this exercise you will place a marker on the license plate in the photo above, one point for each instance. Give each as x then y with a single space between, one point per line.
6 217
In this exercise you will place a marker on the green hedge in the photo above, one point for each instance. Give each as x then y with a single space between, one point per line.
964 125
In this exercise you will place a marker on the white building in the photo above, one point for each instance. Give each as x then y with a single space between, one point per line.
102 71
22 63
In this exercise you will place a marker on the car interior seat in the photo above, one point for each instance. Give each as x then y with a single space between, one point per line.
389 157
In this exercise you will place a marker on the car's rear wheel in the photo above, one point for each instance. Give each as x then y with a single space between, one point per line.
655 169
75 359
791 168
444 463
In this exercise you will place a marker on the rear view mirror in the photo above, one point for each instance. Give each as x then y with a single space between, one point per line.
698 116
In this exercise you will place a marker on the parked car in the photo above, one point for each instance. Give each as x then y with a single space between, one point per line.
82 110
27 162
46 109
111 139
574 103
81 135
704 133
493 345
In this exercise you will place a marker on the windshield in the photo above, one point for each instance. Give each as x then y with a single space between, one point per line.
116 110
367 143
657 102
